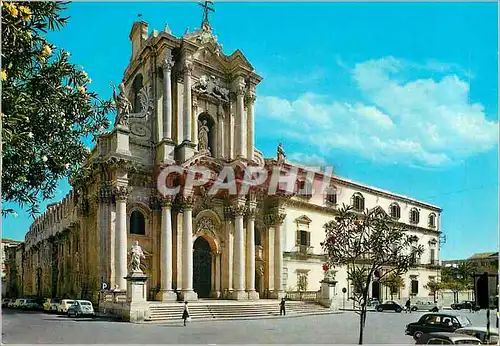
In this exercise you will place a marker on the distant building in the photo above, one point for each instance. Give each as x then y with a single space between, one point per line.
486 261
6 244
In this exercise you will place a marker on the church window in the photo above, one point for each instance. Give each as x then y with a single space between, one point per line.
137 223
136 93
395 211
432 220
414 216
358 202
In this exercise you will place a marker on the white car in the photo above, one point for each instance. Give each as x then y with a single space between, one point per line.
480 333
54 305
81 308
64 305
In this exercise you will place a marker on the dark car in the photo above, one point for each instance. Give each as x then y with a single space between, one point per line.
436 322
465 304
389 305
445 338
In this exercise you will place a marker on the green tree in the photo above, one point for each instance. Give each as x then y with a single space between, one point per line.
366 244
394 282
47 109
434 287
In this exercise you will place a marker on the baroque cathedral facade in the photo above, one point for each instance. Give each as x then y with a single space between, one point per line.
184 102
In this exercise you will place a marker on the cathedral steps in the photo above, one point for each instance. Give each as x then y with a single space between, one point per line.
222 310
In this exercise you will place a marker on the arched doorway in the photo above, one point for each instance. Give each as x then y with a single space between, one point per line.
202 267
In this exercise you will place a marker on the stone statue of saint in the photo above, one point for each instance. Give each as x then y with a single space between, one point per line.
123 105
136 254
281 154
203 135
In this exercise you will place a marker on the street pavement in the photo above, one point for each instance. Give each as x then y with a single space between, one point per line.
387 327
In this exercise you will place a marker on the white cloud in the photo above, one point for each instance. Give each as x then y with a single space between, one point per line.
420 121
310 160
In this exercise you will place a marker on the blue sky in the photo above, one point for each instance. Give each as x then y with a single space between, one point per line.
402 96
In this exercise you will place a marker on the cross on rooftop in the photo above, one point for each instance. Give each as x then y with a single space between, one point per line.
206 8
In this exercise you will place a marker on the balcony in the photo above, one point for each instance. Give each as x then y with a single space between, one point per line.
305 249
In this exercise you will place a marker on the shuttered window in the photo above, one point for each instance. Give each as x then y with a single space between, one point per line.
414 287
303 238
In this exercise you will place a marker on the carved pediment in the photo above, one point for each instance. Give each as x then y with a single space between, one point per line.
303 220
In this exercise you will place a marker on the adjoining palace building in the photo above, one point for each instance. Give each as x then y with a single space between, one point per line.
192 105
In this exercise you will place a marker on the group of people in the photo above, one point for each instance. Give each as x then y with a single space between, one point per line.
186 316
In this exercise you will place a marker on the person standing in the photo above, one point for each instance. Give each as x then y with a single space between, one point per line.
282 307
185 313
408 306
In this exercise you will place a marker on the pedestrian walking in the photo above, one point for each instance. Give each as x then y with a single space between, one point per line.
408 306
185 313
282 307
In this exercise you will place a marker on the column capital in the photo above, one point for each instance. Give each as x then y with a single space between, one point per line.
168 62
251 97
121 193
239 210
251 212
186 201
274 218
240 89
167 201
188 67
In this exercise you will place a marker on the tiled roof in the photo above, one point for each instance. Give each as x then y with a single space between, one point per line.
484 255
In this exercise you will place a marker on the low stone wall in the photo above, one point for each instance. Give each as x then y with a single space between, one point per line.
116 304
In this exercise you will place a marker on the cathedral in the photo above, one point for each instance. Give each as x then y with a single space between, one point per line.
184 102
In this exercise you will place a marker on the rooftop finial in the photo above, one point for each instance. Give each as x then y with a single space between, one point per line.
206 8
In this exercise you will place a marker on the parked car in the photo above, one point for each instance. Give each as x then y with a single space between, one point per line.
480 333
19 303
436 322
425 306
446 338
373 302
389 305
64 305
54 304
81 308
465 304
5 302
29 304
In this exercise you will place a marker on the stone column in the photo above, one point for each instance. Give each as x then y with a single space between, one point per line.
218 274
278 256
240 109
167 293
239 253
121 194
252 294
221 137
187 248
194 120
250 124
188 103
167 96
231 129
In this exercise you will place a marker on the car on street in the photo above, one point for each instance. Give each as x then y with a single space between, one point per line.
446 338
12 303
466 305
424 306
54 304
64 305
81 308
436 322
373 302
389 305
480 333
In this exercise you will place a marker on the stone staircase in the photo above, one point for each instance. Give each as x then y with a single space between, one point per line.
224 310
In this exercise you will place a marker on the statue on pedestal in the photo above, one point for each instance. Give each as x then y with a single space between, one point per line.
203 135
281 154
123 105
136 255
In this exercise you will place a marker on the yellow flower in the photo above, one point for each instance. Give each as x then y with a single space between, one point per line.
3 74
11 7
81 89
26 13
42 59
46 50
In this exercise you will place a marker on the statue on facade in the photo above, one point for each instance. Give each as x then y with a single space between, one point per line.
281 154
203 135
136 255
123 105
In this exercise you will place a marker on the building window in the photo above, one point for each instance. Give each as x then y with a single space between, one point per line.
395 211
304 188
414 287
302 280
137 223
303 238
432 220
331 195
358 202
433 254
414 216
136 93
